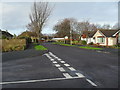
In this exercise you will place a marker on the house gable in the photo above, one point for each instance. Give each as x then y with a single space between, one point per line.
116 33
98 33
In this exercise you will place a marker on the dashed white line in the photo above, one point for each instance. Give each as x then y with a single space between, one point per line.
91 82
80 75
57 65
52 59
67 65
61 69
59 59
62 61
71 68
67 75
54 62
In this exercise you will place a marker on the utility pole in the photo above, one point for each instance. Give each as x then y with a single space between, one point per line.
70 36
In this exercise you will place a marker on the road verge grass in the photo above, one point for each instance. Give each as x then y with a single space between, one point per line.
59 43
91 48
40 47
84 47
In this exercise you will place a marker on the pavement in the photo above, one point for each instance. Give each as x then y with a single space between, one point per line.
62 67
27 53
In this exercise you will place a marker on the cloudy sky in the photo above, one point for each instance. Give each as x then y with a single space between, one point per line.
14 15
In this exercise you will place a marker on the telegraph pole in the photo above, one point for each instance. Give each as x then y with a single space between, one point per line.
70 36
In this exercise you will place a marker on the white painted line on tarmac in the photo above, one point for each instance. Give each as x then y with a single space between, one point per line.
67 75
54 62
61 69
80 75
99 51
71 68
42 80
91 82
59 59
67 65
51 59
48 56
57 65
62 61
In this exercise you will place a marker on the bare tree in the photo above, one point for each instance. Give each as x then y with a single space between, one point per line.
38 17
106 26
116 26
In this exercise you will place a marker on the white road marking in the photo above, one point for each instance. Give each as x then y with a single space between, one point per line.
67 75
106 52
52 59
59 59
56 57
99 51
61 69
54 62
48 56
67 65
91 82
71 68
42 80
80 75
57 65
52 54
62 61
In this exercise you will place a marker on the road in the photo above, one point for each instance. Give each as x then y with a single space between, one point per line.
62 67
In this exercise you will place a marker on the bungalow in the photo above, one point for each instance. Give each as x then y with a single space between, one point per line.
58 39
106 37
102 37
5 34
88 36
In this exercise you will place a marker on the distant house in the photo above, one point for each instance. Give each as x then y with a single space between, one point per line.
106 37
102 37
57 39
29 34
5 34
88 36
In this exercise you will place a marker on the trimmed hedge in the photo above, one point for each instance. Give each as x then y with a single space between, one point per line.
13 45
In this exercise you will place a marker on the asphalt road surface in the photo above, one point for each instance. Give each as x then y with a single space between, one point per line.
62 67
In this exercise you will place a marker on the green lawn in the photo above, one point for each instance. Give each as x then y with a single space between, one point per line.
93 48
40 47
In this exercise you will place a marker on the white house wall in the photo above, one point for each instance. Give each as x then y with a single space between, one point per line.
88 40
96 41
112 41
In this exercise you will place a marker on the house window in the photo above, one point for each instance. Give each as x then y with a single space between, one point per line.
101 40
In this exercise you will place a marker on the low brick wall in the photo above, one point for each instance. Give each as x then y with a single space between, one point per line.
12 44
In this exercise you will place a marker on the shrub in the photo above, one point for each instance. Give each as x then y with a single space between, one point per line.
91 43
83 42
13 45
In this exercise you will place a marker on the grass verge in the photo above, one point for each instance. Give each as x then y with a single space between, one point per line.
84 47
60 43
40 47
92 48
